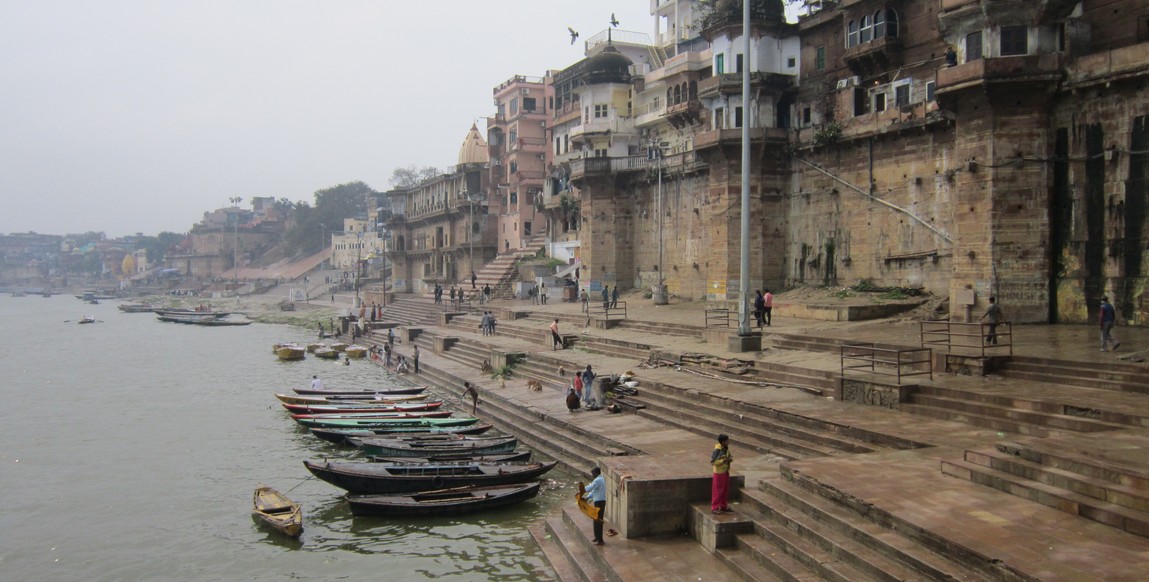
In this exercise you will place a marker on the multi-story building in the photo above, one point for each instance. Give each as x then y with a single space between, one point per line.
976 148
444 227
517 146
358 244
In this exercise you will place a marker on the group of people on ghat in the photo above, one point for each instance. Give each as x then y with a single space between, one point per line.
580 392
487 323
763 306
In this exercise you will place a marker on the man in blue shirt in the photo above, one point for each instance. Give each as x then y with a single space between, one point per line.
596 494
1107 317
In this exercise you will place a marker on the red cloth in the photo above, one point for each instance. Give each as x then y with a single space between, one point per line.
719 489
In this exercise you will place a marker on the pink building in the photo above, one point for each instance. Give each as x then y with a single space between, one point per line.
517 143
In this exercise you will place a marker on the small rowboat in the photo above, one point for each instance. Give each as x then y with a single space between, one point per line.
384 422
326 353
378 478
276 511
339 435
364 408
291 352
87 319
512 457
374 415
320 400
384 447
443 502
364 394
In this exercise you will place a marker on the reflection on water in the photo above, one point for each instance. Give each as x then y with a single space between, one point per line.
131 448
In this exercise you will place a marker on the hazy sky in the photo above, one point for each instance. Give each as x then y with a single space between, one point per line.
128 116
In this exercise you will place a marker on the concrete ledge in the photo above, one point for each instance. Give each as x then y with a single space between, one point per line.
445 318
744 343
841 312
716 531
408 334
873 391
444 343
652 499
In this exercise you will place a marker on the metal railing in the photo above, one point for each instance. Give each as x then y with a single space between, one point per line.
968 339
895 362
721 317
616 310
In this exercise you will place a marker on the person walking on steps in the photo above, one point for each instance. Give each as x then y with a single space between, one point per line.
596 494
415 359
769 297
1107 317
470 390
720 459
992 317
556 339
588 385
759 309
614 297
474 278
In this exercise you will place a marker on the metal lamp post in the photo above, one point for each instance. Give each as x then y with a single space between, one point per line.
235 201
659 294
358 265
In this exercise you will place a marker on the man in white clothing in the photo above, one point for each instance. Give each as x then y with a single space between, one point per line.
316 383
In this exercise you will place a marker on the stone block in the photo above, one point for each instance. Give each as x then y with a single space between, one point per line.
717 531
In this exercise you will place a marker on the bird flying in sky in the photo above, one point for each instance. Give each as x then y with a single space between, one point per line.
574 34
613 20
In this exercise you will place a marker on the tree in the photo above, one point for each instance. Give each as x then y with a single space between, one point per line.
412 176
313 225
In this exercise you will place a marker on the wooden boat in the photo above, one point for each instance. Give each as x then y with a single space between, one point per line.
190 312
320 422
292 399
355 407
376 415
385 447
511 457
87 319
136 308
291 352
312 347
364 394
339 435
378 478
211 322
338 346
275 510
326 353
355 351
442 502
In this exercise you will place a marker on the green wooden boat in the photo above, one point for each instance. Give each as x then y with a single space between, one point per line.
384 422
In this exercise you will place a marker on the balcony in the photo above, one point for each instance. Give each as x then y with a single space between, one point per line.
685 113
999 70
1111 65
715 138
592 167
872 58
731 83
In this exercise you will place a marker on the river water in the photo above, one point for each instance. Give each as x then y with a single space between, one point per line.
129 450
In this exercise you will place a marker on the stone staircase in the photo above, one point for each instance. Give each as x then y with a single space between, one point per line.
501 273
799 529
1080 481
1036 416
1111 376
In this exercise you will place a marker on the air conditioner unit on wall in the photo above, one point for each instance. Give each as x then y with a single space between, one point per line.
847 82
525 91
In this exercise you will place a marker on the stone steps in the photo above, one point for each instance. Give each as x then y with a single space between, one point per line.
932 554
801 535
1006 411
1111 376
1109 418
762 429
975 419
1086 497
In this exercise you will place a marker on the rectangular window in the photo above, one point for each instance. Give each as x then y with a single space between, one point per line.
861 101
930 88
902 95
657 104
1014 41
719 118
719 64
973 46
820 58
528 103
806 116
737 117
879 102
789 62
600 153
738 63
600 111
586 115
514 105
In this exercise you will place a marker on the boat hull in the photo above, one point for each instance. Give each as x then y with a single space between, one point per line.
339 436
381 478
457 501
365 394
384 422
378 447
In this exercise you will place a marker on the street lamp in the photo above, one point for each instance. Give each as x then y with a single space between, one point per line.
235 201
659 294
358 264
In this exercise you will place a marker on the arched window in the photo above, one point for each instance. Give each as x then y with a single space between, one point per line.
867 30
852 34
879 24
669 96
892 23
677 94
